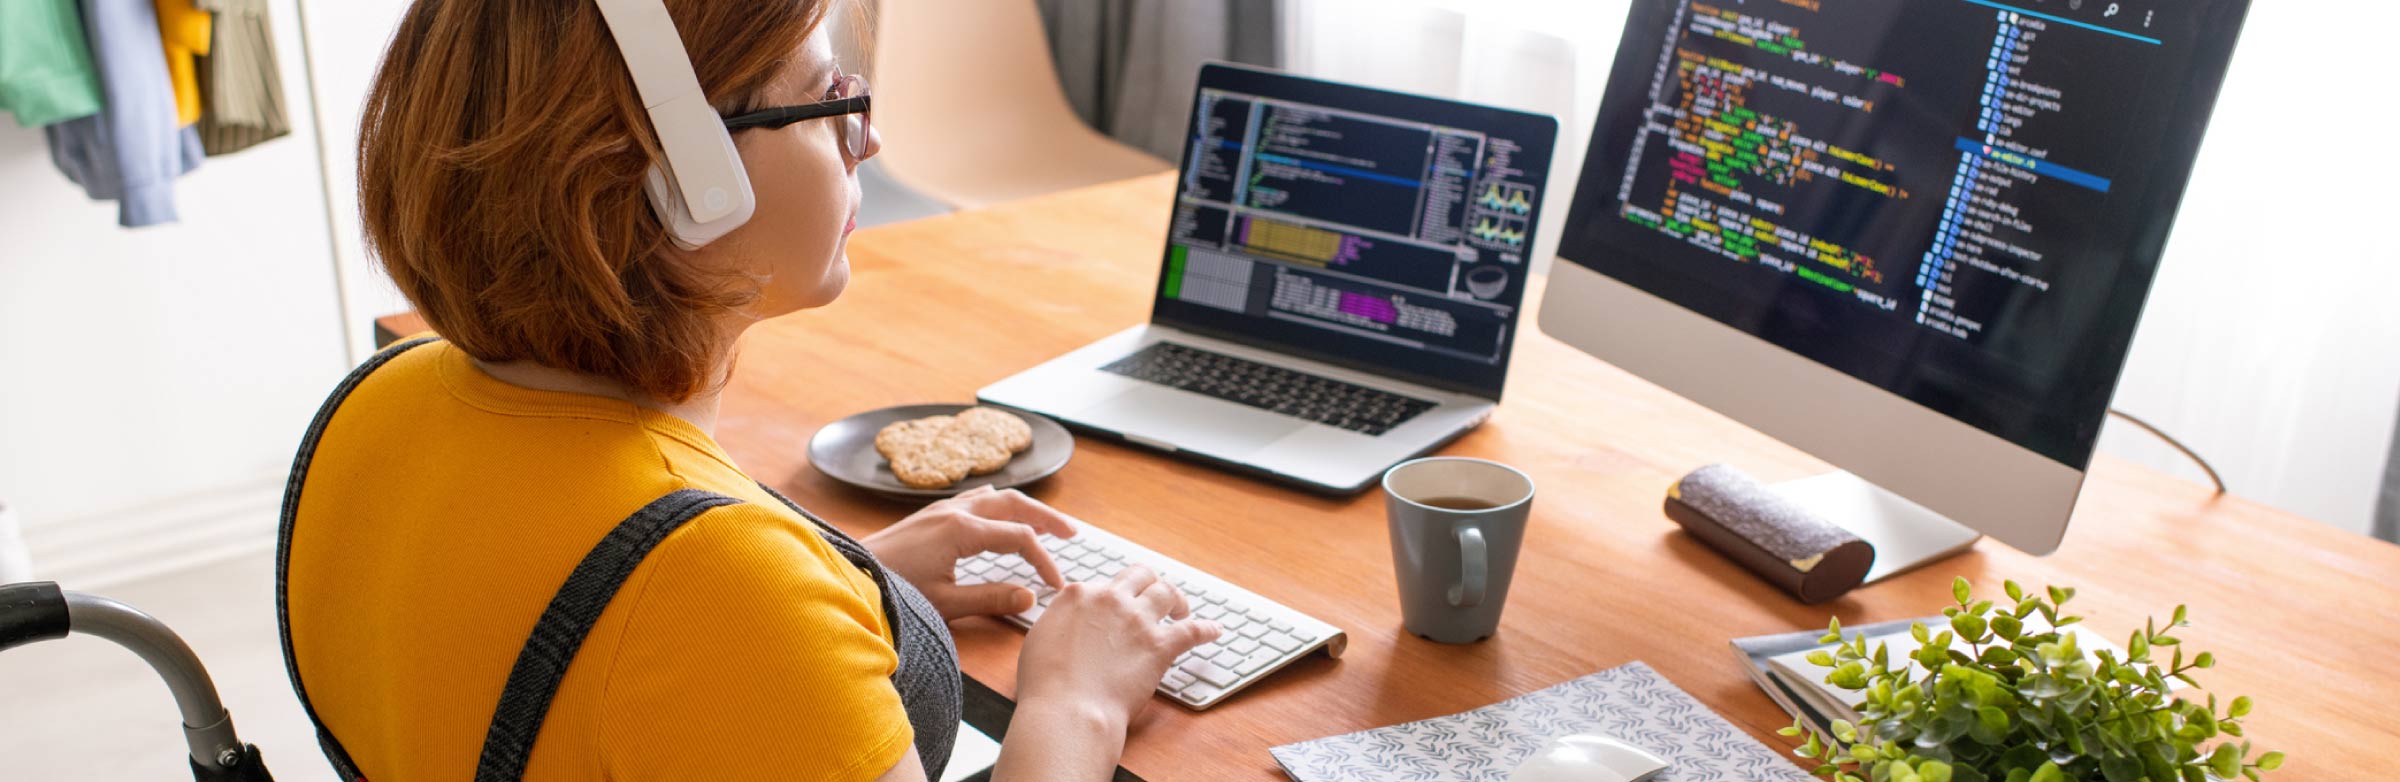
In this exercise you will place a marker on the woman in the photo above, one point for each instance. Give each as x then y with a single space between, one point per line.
451 487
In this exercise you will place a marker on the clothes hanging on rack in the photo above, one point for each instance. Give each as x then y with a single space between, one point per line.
46 73
183 34
241 83
133 149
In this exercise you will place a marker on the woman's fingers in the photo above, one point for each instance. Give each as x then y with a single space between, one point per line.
1004 537
1162 599
1184 635
1133 579
1013 505
991 599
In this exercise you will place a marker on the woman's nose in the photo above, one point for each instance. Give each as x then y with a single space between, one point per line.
874 142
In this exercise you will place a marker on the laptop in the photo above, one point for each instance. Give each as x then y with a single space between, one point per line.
1340 286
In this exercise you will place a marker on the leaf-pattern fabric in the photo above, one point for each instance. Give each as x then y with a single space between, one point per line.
1630 702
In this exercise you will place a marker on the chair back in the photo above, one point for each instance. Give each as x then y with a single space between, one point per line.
968 100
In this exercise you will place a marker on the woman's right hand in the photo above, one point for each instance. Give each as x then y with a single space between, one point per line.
1102 647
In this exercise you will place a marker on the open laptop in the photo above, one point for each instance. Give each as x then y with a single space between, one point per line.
1340 286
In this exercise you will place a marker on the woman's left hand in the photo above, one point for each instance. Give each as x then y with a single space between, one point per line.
925 548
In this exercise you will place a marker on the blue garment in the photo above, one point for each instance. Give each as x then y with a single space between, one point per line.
132 151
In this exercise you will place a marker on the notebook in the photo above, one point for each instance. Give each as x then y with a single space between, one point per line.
1630 702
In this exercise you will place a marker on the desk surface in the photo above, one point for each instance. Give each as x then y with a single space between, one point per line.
2301 615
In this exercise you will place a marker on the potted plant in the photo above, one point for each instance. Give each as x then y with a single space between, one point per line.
1996 697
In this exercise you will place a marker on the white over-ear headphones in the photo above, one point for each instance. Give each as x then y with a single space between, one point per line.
701 190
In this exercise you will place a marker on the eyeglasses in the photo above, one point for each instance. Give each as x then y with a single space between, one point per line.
848 99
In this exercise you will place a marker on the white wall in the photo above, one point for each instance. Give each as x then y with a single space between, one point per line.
347 39
153 382
2271 342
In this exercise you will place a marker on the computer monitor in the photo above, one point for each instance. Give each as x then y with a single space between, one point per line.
1911 237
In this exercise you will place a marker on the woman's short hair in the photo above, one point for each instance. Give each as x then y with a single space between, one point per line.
500 167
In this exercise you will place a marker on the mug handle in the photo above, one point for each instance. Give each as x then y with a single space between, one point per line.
1473 570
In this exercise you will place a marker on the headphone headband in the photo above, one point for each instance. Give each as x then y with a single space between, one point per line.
701 191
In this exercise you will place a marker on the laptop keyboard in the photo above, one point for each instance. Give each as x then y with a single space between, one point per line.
1270 388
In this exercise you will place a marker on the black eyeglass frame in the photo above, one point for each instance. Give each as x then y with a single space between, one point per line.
783 116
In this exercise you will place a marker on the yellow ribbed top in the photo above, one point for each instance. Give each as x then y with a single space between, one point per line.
444 508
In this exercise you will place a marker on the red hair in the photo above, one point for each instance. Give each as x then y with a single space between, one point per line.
500 167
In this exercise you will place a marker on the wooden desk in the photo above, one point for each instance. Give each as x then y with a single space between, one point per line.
2303 617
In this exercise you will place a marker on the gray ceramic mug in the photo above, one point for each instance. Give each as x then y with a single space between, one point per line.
1456 527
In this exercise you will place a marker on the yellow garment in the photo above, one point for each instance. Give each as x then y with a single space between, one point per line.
184 31
443 509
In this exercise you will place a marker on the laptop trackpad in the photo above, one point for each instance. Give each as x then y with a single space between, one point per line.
1191 422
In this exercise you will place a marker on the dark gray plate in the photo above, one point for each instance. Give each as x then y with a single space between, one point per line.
845 451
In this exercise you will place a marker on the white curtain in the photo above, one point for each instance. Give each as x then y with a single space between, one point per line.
2268 341
1546 56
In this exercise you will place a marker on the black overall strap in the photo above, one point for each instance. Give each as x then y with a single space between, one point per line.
542 665
334 753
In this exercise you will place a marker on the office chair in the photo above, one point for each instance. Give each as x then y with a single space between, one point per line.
971 110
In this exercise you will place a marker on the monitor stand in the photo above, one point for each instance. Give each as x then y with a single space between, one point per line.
1906 536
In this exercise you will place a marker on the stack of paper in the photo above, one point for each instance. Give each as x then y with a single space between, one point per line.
1780 666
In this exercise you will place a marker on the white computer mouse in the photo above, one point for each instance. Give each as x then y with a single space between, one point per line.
1585 757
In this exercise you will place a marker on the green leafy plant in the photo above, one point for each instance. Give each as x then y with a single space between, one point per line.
2020 704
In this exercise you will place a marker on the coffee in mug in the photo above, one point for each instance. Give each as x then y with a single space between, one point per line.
1456 526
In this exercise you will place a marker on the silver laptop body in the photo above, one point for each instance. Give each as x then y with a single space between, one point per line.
1383 325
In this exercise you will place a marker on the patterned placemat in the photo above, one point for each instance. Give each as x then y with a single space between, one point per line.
1630 702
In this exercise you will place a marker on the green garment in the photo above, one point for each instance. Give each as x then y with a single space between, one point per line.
46 73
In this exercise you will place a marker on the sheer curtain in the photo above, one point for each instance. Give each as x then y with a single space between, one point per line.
1129 67
2267 341
1547 56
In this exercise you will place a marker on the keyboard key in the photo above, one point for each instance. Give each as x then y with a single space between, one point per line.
1256 661
1177 680
1211 673
1228 658
1280 626
1199 692
1244 646
1254 629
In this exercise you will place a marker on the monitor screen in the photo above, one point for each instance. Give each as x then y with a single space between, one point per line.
1960 201
1370 229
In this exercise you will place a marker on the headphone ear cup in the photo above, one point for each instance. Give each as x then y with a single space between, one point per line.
669 205
676 214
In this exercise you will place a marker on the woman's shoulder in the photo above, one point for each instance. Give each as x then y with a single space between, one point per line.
744 538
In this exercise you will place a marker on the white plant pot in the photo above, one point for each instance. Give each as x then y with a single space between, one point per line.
15 566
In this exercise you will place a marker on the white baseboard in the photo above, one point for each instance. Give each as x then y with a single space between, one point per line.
91 553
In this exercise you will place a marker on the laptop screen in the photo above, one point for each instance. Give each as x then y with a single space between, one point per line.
1375 230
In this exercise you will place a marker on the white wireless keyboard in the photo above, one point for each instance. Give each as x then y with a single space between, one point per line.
1260 636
